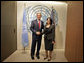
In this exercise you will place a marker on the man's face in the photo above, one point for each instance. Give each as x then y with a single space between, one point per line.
39 16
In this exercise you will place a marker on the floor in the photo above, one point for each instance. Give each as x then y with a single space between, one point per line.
24 56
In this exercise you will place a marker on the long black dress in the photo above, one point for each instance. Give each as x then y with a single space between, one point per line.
49 36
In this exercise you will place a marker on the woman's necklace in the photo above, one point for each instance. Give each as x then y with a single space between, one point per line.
47 26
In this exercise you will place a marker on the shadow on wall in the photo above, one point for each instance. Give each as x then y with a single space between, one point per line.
59 39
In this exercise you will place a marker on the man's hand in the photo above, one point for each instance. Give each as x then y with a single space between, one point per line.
38 33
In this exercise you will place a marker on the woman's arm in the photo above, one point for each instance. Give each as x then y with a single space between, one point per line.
44 30
53 33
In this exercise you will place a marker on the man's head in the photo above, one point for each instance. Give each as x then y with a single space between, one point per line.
38 16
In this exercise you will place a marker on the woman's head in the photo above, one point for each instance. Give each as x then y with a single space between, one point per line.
49 20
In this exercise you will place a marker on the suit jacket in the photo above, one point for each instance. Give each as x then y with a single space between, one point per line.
35 27
49 33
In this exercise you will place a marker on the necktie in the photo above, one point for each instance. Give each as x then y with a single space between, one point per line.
39 24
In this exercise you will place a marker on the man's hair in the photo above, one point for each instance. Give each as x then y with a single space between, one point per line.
38 13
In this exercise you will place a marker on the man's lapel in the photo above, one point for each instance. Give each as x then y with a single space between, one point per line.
41 23
37 24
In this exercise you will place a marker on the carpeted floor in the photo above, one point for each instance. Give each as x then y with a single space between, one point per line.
21 56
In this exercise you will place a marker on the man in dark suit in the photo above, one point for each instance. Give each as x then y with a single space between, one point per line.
36 28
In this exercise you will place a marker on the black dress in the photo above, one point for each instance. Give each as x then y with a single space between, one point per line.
49 35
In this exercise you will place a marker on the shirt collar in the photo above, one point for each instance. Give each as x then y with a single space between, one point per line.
38 20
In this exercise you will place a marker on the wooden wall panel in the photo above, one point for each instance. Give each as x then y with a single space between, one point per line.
8 28
74 33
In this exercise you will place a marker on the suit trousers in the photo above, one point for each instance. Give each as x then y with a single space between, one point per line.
34 43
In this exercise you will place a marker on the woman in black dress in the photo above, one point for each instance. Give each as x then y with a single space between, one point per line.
49 37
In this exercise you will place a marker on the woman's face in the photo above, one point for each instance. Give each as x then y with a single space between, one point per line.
48 21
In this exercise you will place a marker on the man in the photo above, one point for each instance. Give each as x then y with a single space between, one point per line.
36 28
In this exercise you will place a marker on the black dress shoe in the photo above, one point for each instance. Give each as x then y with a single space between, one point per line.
38 57
32 57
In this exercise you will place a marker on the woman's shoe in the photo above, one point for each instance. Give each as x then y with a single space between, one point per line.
45 58
49 59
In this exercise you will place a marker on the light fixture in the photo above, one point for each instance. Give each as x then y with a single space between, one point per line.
44 2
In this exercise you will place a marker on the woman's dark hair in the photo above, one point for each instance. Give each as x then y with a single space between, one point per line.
50 20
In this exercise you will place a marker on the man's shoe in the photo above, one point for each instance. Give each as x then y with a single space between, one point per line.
32 57
38 57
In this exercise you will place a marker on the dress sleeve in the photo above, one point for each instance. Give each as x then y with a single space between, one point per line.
53 32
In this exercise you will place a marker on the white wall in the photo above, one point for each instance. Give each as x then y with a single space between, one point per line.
61 9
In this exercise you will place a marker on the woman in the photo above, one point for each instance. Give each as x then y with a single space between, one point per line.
49 35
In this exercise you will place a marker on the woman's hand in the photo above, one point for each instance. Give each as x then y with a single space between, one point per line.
53 42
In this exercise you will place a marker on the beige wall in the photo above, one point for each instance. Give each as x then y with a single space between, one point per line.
61 9
74 35
8 24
